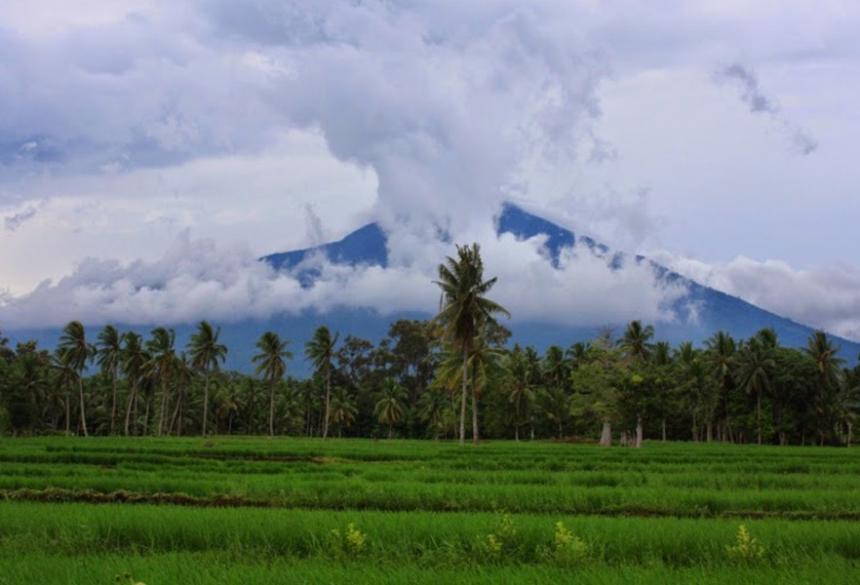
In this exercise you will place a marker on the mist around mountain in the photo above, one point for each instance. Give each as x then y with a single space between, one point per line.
698 314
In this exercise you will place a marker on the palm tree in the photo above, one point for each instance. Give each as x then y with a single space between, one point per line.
343 409
828 364
320 350
206 354
161 367
721 358
271 365
134 361
76 350
756 366
520 392
109 357
66 377
465 308
435 410
636 341
389 408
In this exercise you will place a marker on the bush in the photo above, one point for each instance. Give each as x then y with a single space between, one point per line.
746 548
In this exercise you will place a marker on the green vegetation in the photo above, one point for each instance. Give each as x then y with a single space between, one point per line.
304 510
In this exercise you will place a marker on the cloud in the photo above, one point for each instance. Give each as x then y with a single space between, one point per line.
198 279
827 298
754 97
16 220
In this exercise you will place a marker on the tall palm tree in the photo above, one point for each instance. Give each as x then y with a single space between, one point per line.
520 392
109 358
828 364
271 365
465 309
78 352
134 359
161 367
320 350
721 358
756 367
206 355
389 407
66 378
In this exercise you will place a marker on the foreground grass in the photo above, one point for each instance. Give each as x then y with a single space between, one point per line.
200 569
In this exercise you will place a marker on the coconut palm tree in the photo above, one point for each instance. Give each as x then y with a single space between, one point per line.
134 360
206 355
722 361
828 364
66 378
389 406
434 408
109 358
756 367
321 350
161 367
636 341
343 409
271 365
465 309
78 352
519 379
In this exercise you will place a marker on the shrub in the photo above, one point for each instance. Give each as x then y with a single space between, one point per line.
746 548
352 542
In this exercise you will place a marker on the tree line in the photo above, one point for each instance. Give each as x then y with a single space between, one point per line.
433 379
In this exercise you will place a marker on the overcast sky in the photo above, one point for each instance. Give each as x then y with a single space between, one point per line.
717 136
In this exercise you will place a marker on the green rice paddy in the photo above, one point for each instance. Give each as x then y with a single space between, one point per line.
254 510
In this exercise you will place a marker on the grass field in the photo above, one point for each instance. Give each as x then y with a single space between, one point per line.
83 511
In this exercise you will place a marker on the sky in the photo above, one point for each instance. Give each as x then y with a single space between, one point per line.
150 151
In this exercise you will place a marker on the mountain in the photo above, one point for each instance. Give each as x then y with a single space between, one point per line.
715 310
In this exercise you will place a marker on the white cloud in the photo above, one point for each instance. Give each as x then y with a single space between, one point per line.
828 298
197 279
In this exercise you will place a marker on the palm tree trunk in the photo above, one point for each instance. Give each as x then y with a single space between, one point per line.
327 401
709 432
129 402
175 415
205 402
272 408
606 434
146 416
463 396
475 437
162 409
758 414
68 412
113 403
639 432
83 410
663 429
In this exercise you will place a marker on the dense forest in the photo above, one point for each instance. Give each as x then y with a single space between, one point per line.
453 376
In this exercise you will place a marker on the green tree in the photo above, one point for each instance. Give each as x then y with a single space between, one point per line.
206 355
756 367
466 310
161 368
389 406
321 350
77 352
134 362
828 364
109 358
272 365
